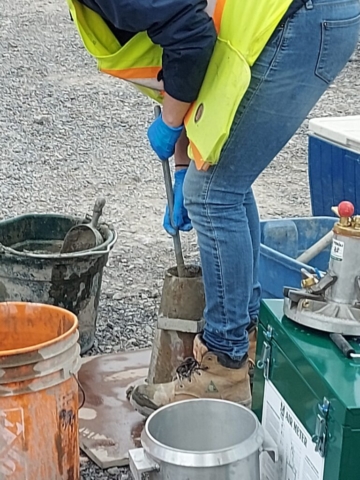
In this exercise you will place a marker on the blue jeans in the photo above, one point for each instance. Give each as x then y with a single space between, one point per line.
301 59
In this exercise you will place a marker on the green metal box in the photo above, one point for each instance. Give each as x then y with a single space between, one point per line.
307 395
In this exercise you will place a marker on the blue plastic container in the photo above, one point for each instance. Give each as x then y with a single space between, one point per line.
282 241
334 163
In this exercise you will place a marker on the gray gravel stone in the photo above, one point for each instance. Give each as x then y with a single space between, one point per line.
114 471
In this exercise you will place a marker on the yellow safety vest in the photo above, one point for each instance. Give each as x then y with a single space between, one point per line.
243 26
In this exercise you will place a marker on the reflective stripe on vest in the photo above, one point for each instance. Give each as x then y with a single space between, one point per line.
119 61
243 31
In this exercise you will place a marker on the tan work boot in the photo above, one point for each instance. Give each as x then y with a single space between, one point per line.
207 377
199 348
252 344
252 333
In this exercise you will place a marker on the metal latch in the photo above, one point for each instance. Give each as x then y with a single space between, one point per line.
265 358
320 436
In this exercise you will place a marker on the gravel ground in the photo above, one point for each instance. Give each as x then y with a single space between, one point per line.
68 134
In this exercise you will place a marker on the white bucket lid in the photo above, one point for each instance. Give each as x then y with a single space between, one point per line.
344 131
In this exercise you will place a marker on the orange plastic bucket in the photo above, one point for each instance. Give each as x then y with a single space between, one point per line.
39 361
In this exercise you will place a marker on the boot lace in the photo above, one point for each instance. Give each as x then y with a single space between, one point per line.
188 368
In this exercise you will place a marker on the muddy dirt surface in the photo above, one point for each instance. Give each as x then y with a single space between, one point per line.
69 134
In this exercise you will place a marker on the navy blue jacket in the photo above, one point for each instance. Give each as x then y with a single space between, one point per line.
182 28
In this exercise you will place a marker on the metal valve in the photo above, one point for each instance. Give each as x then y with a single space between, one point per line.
309 279
331 302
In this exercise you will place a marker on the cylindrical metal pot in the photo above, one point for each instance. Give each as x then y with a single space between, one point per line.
201 439
345 265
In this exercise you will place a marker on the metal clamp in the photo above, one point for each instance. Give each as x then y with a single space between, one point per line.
265 357
270 447
264 362
320 436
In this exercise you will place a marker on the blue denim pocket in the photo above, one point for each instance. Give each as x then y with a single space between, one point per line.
338 41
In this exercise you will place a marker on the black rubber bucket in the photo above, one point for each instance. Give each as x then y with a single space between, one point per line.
33 270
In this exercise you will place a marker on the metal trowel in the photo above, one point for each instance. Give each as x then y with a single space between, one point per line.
85 236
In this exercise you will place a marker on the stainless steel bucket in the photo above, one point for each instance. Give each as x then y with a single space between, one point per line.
201 439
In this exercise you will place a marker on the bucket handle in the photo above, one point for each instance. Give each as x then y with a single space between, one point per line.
81 390
89 253
140 462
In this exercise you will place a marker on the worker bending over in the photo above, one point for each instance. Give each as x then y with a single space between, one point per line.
236 79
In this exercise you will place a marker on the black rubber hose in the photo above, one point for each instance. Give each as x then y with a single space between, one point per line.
342 344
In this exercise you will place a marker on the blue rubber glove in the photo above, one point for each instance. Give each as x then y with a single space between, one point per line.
163 138
181 219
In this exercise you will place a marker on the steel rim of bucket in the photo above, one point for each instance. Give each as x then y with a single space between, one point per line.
211 458
34 348
87 253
